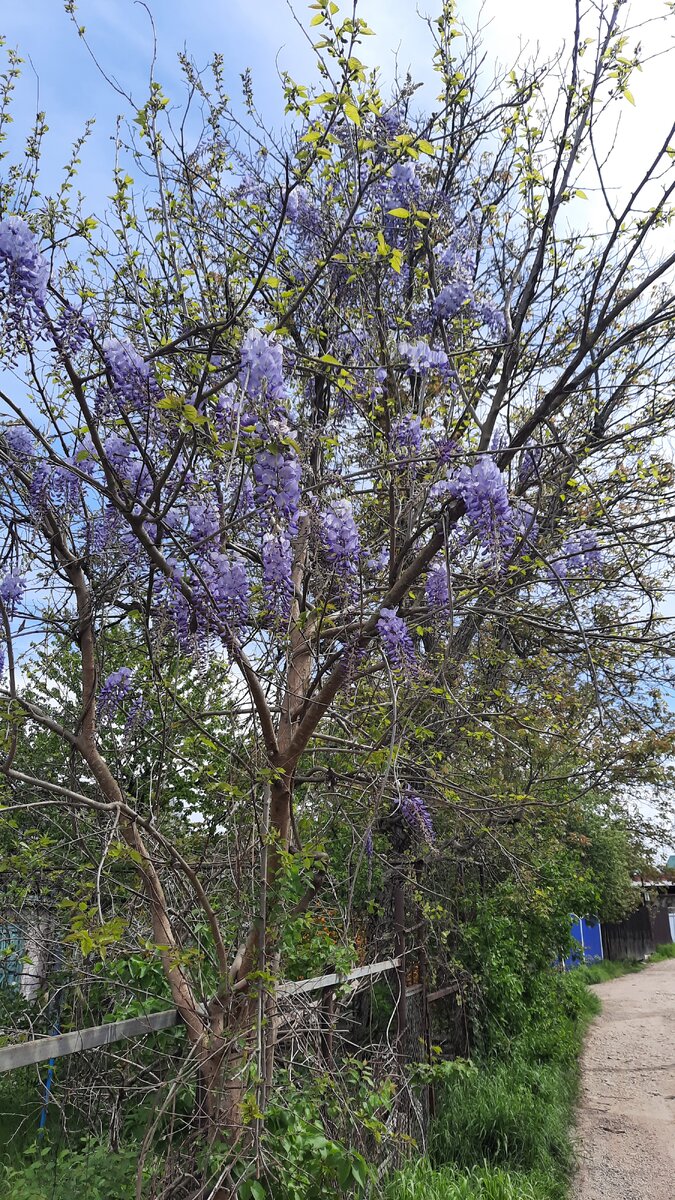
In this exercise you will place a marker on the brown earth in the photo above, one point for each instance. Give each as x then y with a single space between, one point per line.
626 1121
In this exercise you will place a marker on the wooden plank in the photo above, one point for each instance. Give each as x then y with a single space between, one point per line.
446 991
25 1054
321 982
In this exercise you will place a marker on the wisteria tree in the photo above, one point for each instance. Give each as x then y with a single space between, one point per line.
339 460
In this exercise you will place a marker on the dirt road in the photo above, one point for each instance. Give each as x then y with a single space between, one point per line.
626 1122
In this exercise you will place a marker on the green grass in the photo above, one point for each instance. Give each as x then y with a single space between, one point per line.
512 1114
601 972
663 952
420 1181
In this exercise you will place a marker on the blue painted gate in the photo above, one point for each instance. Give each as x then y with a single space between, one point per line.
586 932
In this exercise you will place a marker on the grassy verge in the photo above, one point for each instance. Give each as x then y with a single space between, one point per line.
512 1114
663 952
602 971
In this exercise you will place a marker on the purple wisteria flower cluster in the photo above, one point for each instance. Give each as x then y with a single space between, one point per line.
277 475
437 589
277 558
488 509
422 359
19 441
340 539
133 383
261 370
579 555
451 299
405 437
396 640
225 581
417 816
119 694
458 295
24 275
72 329
12 590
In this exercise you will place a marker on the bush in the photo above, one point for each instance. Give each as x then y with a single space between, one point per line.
91 1171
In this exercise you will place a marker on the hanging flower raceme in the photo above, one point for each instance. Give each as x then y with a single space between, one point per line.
404 183
417 816
405 437
118 694
500 438
204 522
578 555
19 441
488 510
228 588
277 475
396 640
527 526
134 385
261 370
54 486
24 275
492 317
12 590
340 538
277 559
303 213
422 359
437 588
72 329
451 299
591 551
126 463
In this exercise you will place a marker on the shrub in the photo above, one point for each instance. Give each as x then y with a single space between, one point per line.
90 1171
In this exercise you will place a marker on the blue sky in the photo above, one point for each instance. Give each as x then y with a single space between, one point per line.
62 79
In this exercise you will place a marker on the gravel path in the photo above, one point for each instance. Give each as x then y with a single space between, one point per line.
626 1120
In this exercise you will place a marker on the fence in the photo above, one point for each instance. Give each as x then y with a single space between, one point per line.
639 934
39 1050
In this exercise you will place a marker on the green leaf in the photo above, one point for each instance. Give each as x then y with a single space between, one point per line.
317 20
351 112
398 212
